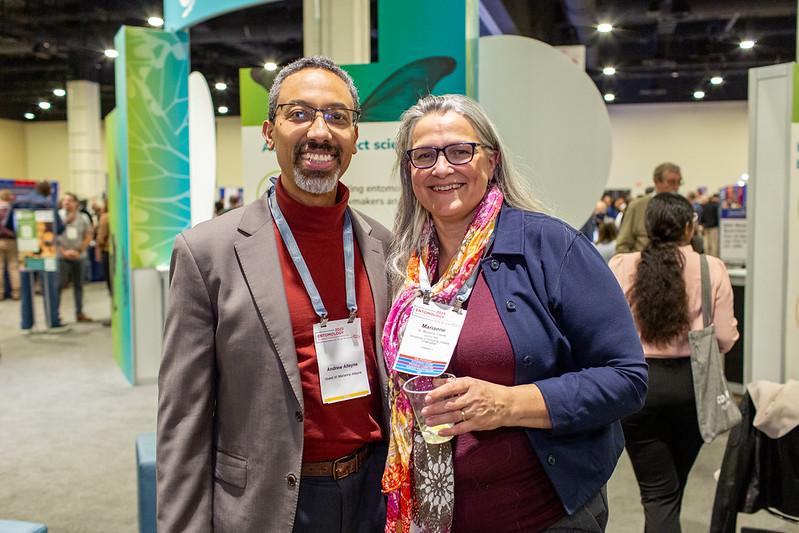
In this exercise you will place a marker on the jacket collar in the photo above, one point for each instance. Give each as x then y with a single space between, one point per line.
509 232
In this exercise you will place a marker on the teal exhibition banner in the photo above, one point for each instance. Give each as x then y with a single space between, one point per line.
439 58
181 14
154 110
118 248
150 202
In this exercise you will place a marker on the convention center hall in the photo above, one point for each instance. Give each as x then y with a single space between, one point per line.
383 266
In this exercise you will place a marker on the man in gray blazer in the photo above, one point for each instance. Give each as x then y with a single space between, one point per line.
272 413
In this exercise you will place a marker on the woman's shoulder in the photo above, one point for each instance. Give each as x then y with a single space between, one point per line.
540 223
624 261
718 270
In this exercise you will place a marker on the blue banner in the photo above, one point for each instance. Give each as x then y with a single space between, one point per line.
181 14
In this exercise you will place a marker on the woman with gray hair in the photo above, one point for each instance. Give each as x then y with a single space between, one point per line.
542 379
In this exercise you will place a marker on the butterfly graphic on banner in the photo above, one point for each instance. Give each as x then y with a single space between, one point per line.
399 91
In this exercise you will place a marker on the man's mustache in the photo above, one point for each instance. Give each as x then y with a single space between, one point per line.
311 145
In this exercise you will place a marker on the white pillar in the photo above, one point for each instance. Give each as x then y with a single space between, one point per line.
85 147
338 29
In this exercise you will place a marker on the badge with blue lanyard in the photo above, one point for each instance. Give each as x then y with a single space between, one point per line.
339 343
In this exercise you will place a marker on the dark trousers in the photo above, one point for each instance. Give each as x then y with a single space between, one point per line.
50 296
354 504
590 518
72 270
663 441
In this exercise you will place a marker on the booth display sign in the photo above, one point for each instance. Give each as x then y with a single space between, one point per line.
36 245
732 225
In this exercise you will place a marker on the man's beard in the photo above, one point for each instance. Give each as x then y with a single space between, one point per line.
315 182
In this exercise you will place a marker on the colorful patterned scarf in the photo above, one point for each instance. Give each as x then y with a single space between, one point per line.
418 479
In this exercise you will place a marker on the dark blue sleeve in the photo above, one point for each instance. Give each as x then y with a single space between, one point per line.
10 219
59 224
592 313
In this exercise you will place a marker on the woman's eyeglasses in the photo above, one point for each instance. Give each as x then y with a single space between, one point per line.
456 154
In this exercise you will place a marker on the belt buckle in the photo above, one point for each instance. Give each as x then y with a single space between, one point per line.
344 459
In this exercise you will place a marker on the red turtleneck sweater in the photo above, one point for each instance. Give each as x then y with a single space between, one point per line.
337 429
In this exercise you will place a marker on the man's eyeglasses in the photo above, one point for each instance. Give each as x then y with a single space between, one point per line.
456 154
335 117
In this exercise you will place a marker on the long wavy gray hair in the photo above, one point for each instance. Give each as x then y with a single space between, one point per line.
411 216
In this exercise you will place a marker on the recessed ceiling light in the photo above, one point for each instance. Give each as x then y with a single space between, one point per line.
155 22
30 116
220 86
747 44
222 109
699 94
675 74
59 92
44 105
609 71
110 52
716 80
604 27
609 97
270 66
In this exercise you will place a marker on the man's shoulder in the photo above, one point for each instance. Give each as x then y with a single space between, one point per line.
378 230
215 232
639 203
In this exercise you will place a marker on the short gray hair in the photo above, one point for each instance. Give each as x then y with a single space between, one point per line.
317 62
661 169
411 216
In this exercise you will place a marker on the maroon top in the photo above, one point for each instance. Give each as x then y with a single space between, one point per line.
499 482
335 429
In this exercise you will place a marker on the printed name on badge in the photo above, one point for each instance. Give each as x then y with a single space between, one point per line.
341 360
430 338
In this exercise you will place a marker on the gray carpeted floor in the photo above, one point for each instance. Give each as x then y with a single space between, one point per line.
68 422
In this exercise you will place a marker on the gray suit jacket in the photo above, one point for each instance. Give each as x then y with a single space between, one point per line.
230 409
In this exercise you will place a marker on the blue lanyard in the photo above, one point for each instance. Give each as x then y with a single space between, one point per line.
302 267
463 293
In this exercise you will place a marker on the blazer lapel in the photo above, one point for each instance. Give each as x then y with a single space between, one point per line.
374 259
256 249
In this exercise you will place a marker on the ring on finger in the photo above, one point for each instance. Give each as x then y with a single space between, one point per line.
463 415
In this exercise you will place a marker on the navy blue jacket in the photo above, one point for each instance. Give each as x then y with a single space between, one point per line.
573 336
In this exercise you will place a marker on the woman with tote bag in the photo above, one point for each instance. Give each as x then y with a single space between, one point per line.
663 284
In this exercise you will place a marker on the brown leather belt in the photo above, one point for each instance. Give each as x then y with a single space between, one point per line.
339 468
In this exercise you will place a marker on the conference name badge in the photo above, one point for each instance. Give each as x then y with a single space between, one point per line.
72 233
429 340
341 360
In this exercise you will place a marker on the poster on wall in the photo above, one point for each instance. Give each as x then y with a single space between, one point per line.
732 225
